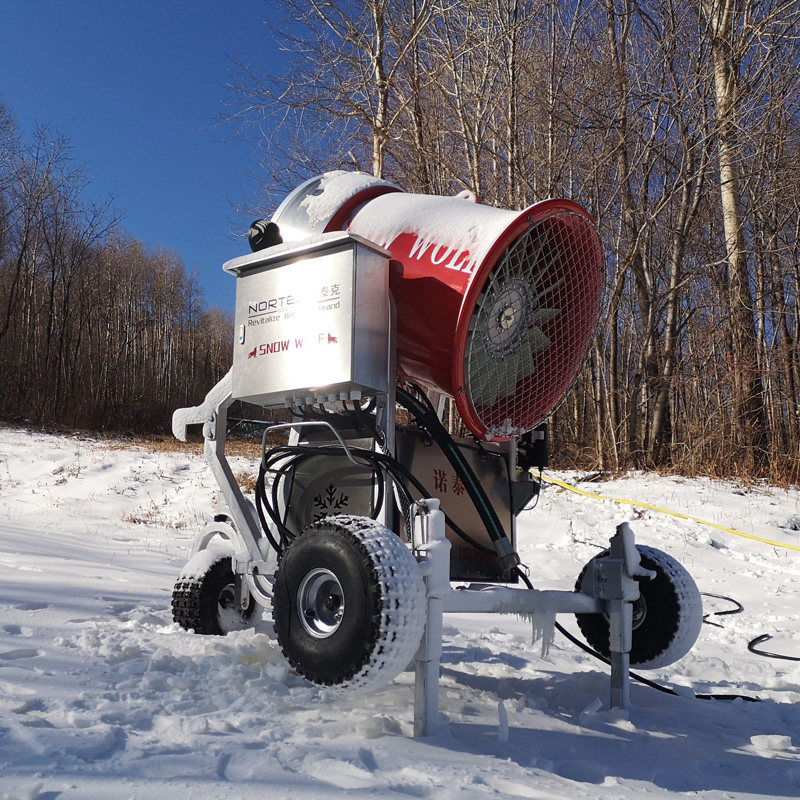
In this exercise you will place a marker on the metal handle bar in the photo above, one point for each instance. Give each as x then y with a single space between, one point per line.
328 425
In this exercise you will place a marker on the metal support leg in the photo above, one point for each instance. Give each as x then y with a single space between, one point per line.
620 659
426 676
615 584
212 414
432 549
620 680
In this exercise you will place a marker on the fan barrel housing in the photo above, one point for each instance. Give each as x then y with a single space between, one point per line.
495 308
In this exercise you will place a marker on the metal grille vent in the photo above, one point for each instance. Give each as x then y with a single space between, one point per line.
532 324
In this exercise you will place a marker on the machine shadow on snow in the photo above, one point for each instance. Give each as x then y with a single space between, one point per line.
620 753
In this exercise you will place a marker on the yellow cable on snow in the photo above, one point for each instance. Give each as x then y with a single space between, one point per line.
677 514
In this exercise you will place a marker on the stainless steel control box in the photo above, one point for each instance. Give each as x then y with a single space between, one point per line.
311 322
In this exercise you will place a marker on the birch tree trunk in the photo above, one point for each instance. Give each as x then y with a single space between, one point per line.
720 18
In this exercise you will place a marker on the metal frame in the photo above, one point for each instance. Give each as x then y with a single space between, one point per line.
613 582
251 566
615 591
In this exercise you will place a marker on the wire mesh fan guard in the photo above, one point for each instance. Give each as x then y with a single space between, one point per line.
532 323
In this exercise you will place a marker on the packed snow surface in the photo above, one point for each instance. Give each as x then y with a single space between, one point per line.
103 696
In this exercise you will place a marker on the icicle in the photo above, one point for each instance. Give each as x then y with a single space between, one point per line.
502 722
529 619
544 628
593 707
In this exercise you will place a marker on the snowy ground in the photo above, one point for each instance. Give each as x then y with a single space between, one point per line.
102 696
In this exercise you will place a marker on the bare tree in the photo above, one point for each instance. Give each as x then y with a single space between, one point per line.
630 108
737 30
346 59
94 330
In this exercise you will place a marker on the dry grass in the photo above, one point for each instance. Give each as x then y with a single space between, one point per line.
247 448
247 481
701 460
781 470
235 444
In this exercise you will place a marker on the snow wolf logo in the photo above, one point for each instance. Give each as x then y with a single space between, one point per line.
252 353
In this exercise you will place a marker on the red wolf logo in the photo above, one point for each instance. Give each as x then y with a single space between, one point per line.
332 339
252 353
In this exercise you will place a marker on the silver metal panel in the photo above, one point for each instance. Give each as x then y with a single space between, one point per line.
325 485
311 324
292 251
434 471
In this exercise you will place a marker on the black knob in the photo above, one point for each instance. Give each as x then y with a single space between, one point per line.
263 234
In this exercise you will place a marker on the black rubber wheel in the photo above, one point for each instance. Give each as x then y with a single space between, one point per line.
666 618
349 603
204 603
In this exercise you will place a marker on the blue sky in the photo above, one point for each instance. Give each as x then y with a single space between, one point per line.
136 86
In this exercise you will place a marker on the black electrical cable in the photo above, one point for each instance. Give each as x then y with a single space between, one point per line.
296 455
536 496
366 419
428 420
400 475
765 637
395 466
260 498
356 417
292 456
737 609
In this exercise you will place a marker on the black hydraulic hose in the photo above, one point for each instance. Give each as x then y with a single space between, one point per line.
294 455
426 417
300 454
276 454
398 471
261 500
646 681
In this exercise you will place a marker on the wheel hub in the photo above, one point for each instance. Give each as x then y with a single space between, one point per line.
320 603
639 611
227 597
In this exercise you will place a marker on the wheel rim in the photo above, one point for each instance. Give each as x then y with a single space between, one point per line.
639 612
229 615
227 597
320 603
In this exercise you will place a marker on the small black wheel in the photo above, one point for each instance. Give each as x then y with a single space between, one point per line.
203 599
349 603
666 618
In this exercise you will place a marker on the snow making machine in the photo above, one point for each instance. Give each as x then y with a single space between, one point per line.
360 311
